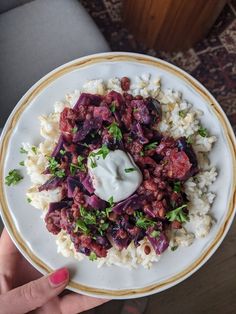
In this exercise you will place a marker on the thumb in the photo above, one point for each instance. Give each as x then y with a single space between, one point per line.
34 294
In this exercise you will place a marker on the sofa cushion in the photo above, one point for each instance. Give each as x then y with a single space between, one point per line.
37 37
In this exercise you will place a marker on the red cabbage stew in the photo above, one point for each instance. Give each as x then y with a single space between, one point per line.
110 122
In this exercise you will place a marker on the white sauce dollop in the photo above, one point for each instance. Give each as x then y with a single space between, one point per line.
117 175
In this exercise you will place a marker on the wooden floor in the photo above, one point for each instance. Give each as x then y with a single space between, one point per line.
211 290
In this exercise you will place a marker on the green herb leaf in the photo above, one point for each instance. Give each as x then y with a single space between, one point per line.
110 201
182 113
155 233
89 218
143 222
74 130
80 225
178 214
113 107
104 226
54 167
150 146
127 170
135 110
60 173
62 152
93 163
29 200
34 149
23 151
129 139
177 187
92 256
203 132
142 153
174 248
115 131
103 151
22 163
13 177
189 139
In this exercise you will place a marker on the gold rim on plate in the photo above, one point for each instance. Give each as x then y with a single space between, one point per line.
114 57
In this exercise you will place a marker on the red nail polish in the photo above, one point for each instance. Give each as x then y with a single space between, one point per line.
59 276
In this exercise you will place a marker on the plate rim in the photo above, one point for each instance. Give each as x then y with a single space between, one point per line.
110 57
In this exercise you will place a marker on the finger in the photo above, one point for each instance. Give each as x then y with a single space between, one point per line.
74 303
6 244
34 294
9 260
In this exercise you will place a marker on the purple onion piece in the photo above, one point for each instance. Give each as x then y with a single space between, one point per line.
159 244
87 99
88 126
72 183
133 201
58 147
141 135
57 206
87 184
51 184
143 111
116 97
96 202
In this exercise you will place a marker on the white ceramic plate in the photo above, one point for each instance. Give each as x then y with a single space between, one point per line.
27 228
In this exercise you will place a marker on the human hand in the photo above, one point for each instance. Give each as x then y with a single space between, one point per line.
23 289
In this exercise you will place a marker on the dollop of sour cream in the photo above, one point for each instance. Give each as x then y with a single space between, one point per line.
116 175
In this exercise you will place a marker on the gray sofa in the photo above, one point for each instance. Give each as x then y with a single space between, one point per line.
37 36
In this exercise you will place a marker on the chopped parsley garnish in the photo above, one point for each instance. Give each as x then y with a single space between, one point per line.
113 107
29 200
177 187
203 132
127 170
108 209
80 165
93 163
129 139
22 163
13 177
143 222
135 110
142 153
115 131
103 227
62 152
104 151
54 168
150 146
34 149
182 113
23 151
92 256
110 201
189 139
81 226
155 233
75 129
89 218
60 173
177 214
174 248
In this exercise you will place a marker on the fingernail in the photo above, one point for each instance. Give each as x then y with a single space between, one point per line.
59 277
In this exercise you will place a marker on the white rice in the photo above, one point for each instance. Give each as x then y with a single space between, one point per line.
197 188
